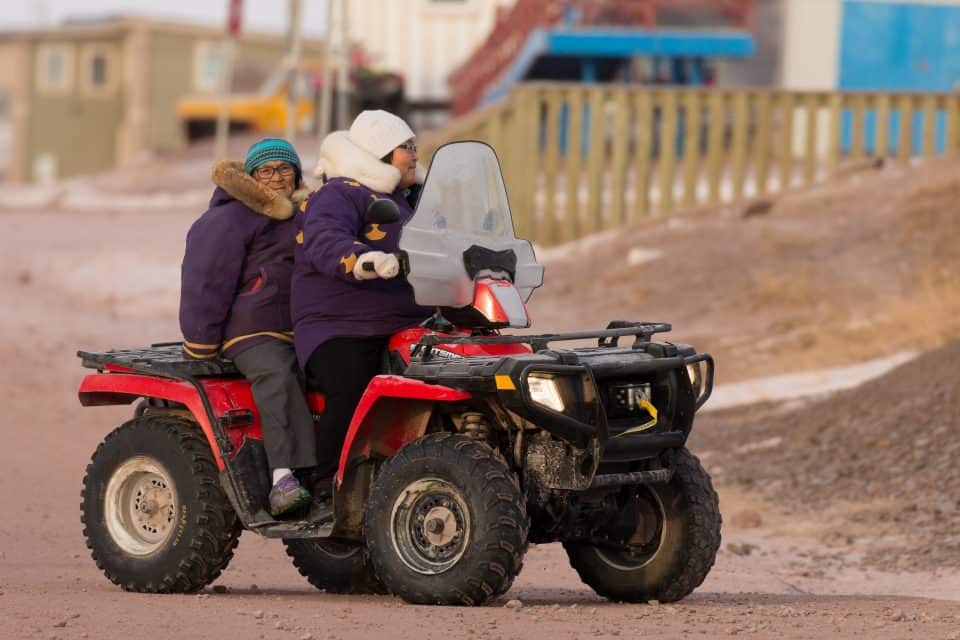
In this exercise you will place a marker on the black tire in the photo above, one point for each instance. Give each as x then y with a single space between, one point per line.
163 463
680 549
334 566
466 495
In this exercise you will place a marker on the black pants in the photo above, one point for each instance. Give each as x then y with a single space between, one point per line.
341 368
276 383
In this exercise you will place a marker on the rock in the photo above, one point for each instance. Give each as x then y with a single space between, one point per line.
758 207
746 519
897 616
24 278
306 636
258 614
514 604
60 625
744 549
219 588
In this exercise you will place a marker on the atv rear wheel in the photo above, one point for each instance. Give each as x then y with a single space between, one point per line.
154 515
446 522
674 544
334 566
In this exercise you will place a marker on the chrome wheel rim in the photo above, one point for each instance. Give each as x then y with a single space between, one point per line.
430 526
141 506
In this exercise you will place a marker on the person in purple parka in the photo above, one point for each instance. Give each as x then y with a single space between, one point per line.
235 301
343 315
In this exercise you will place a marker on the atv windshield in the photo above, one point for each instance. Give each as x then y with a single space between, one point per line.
462 229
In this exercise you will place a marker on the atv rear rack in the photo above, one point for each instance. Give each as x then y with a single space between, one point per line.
163 359
608 337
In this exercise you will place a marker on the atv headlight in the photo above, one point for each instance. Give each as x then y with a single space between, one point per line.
544 390
693 372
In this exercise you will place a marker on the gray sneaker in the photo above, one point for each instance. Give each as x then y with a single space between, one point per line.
287 495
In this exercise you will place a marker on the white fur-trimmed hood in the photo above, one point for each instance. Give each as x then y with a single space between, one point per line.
341 158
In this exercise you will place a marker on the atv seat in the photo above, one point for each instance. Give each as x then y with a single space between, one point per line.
165 359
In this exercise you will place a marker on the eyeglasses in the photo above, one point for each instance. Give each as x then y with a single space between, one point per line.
408 146
265 173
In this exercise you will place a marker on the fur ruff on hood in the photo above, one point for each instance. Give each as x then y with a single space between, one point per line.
341 158
230 176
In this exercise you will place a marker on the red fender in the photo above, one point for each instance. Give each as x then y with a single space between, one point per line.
224 395
392 412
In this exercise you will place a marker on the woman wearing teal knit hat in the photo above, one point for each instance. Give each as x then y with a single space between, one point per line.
235 301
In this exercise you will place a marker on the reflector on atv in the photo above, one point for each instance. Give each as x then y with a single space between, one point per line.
462 228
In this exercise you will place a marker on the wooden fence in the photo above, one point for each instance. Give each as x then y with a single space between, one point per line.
582 158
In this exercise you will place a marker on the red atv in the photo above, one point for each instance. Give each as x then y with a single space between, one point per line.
470 444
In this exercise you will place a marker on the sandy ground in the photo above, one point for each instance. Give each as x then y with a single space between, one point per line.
82 278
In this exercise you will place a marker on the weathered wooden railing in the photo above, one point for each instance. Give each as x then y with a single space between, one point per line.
583 158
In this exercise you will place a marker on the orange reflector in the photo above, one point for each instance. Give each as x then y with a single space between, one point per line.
504 383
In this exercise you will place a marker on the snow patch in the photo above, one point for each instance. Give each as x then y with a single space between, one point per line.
800 385
639 255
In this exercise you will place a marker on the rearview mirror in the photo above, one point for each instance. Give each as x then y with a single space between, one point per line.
382 211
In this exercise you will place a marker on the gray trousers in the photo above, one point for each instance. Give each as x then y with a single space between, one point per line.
277 386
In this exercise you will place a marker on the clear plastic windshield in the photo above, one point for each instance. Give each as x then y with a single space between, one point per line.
463 205
465 193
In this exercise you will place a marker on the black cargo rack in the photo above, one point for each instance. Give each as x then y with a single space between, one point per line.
164 359
608 337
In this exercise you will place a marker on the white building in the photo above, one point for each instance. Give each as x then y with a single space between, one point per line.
423 40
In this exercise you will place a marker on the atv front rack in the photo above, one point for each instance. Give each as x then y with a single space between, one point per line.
608 337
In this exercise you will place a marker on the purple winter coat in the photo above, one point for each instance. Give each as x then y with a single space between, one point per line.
327 301
235 277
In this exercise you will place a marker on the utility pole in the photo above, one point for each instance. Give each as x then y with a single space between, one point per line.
293 62
326 78
234 20
343 68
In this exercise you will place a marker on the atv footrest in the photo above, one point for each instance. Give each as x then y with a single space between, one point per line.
296 530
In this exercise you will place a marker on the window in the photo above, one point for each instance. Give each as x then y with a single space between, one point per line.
55 68
208 66
99 69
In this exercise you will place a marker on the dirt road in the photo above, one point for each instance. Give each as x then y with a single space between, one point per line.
92 279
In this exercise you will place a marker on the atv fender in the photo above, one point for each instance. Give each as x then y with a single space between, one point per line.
102 389
392 412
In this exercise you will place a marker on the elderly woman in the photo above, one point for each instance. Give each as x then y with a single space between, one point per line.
344 315
235 300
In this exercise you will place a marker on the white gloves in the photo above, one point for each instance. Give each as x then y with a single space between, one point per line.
385 265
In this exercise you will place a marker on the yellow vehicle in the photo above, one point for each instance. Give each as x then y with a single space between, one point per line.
264 110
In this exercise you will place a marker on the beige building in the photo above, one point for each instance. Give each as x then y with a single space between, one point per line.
424 40
87 97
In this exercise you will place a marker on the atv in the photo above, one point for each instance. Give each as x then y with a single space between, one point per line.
470 445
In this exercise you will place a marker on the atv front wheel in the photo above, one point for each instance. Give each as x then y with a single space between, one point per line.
676 535
334 566
446 522
154 515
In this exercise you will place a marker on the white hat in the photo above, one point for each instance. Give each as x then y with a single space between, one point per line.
379 132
